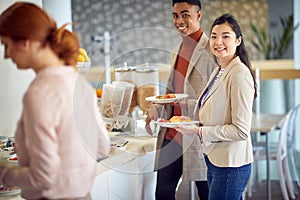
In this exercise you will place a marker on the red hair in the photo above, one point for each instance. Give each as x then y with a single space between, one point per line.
25 20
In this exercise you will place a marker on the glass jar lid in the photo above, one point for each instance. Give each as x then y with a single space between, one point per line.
146 68
124 68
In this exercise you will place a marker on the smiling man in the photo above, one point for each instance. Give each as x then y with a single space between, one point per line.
187 16
192 63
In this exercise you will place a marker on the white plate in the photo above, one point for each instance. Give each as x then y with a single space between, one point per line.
10 192
8 163
83 65
170 100
174 124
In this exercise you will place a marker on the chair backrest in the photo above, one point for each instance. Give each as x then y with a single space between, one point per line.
294 122
284 131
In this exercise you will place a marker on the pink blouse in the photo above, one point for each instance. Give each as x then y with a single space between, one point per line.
59 137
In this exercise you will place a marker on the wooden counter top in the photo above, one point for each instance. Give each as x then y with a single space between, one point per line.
276 69
269 69
284 74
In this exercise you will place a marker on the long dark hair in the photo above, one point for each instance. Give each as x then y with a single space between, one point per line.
241 49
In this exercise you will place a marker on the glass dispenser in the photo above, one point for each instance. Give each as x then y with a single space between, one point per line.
147 81
127 73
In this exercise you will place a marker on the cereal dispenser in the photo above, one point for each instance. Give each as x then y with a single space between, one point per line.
111 103
147 81
127 73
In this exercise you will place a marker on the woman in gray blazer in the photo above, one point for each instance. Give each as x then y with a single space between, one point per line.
225 109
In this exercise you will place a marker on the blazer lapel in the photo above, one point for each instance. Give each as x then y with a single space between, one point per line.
175 53
193 61
196 54
223 77
215 86
213 74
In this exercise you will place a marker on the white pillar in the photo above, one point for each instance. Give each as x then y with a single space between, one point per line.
297 35
106 40
297 63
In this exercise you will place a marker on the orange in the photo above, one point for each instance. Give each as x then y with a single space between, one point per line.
99 93
80 58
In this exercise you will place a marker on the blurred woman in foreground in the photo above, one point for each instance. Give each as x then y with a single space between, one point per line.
60 135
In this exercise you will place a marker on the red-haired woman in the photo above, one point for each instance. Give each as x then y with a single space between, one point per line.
60 135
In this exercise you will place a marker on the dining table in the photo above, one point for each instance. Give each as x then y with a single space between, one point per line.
265 124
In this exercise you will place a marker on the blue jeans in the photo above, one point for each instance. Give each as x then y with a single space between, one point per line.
227 183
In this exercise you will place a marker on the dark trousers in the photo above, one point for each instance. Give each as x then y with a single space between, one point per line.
170 171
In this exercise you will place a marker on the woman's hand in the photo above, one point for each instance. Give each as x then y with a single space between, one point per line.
188 129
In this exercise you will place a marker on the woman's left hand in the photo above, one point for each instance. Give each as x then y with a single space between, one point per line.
187 129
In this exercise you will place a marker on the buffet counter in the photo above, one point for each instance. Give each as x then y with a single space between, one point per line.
136 147
126 174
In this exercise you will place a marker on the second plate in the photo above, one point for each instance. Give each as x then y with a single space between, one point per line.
170 100
174 124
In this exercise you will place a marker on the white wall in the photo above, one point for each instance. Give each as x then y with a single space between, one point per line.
59 10
13 84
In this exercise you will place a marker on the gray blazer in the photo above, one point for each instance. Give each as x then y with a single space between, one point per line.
226 117
200 67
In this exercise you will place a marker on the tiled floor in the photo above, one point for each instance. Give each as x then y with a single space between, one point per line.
183 192
258 193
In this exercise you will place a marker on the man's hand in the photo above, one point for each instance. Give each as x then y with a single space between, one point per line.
152 115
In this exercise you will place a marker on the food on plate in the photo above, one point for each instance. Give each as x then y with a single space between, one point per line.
166 96
177 119
2 145
4 188
164 120
14 158
180 119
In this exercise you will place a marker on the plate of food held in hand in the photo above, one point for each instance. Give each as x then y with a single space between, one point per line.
166 98
176 120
